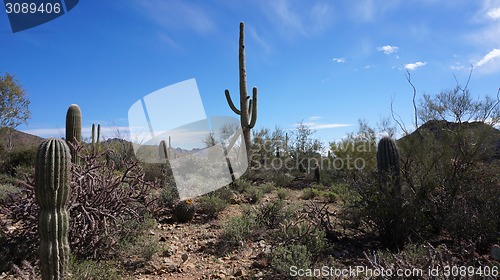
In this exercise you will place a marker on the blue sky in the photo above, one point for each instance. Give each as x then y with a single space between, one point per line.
328 63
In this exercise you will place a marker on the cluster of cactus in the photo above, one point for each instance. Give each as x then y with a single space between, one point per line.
388 161
96 141
52 175
247 111
73 129
184 211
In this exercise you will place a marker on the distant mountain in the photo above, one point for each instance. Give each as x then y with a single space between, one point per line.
443 131
22 139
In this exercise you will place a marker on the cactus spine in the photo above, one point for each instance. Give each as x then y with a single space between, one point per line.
247 111
52 179
388 161
73 129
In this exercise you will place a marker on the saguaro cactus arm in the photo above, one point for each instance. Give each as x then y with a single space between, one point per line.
52 181
252 108
231 104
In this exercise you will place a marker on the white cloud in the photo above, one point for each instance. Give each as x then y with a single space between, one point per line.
494 13
314 118
339 60
413 66
316 126
388 49
487 58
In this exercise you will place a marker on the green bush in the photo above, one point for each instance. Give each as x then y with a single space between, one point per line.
212 205
267 188
284 257
239 228
282 193
18 157
254 194
169 195
93 270
282 179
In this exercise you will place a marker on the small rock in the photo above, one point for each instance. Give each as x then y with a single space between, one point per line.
259 274
184 257
239 273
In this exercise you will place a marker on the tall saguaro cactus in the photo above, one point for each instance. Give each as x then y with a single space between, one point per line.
74 129
247 111
52 179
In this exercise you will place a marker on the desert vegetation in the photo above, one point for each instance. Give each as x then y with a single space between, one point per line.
424 202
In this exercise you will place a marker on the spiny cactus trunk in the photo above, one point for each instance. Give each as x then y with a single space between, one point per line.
247 111
73 129
388 162
52 175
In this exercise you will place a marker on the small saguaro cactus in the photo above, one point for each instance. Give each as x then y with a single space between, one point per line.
73 129
388 160
52 187
247 111
96 141
317 174
184 211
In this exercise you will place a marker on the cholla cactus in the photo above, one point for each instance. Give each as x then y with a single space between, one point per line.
52 175
184 211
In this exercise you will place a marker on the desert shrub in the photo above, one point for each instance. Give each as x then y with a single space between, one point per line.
281 179
212 205
267 188
168 196
254 194
240 185
224 193
6 190
286 258
93 270
240 228
309 193
282 193
153 171
18 157
271 214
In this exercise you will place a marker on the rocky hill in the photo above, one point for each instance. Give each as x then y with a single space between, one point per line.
475 133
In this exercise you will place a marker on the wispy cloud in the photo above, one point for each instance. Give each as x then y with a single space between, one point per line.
339 60
177 14
299 18
314 118
494 13
316 126
413 66
495 53
388 49
255 36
